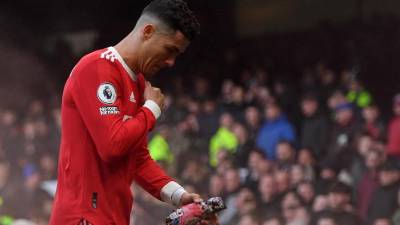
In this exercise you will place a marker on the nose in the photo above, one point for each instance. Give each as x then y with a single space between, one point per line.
170 62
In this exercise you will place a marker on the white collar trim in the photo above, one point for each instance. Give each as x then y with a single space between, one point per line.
121 60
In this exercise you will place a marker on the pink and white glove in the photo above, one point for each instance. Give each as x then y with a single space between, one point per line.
197 213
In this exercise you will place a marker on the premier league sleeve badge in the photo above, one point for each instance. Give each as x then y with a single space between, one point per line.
106 93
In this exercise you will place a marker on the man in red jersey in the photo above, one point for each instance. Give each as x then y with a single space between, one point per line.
108 108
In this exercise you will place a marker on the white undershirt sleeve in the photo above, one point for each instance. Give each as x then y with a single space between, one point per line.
172 193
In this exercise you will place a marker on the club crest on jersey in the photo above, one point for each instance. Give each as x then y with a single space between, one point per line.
106 93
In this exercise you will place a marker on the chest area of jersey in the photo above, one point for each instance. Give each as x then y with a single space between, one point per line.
131 98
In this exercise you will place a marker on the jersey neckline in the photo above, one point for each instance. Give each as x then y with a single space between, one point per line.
123 63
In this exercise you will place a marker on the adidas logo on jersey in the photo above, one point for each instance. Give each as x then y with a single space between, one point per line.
108 55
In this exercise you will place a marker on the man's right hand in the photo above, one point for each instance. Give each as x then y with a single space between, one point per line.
154 94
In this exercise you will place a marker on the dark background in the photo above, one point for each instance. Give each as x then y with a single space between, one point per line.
344 34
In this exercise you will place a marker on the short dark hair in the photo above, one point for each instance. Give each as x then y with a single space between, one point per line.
175 14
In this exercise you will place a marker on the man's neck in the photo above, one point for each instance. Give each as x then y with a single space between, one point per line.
127 55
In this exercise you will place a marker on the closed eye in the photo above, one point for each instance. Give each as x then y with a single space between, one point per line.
173 50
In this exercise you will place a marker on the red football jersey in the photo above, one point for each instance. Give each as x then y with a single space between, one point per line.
104 143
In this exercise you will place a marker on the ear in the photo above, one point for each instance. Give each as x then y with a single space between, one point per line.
148 31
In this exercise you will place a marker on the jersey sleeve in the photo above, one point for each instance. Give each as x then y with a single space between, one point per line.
148 174
96 91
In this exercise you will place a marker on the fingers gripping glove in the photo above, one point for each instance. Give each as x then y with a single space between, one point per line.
193 213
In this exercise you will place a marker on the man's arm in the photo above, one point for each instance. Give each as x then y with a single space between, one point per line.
113 136
153 179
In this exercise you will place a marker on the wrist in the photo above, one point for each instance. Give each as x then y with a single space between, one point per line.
153 107
172 193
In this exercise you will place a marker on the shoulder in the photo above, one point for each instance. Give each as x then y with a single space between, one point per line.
96 68
98 60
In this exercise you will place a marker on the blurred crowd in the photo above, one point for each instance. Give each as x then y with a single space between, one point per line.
28 156
314 150
337 162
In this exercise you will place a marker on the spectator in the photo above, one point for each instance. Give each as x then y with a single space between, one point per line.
175 106
181 143
236 105
293 211
201 89
263 96
225 164
357 94
253 121
269 195
275 129
226 91
223 139
216 186
327 79
29 198
306 192
342 135
393 140
282 178
320 203
337 98
48 166
258 166
193 106
195 174
364 144
306 159
159 148
308 81
36 110
368 183
297 175
8 125
208 119
314 127
284 94
244 145
328 176
246 202
339 206
372 124
383 202
232 187
285 155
